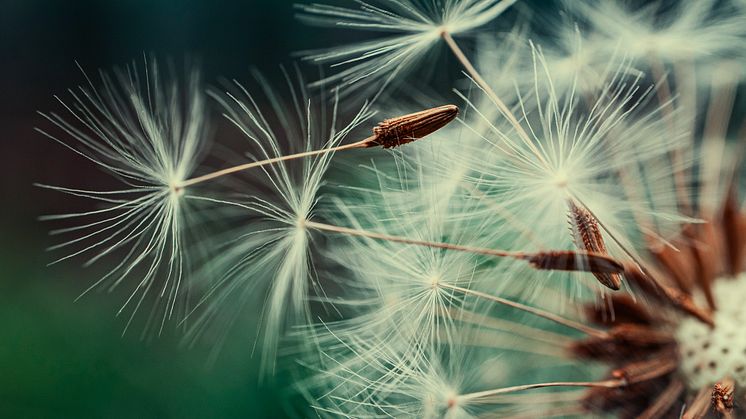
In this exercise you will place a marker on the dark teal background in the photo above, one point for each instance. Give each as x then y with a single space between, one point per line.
61 358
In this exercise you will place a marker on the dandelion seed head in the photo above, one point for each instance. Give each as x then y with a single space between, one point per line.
404 292
413 28
683 344
574 148
271 258
408 287
147 129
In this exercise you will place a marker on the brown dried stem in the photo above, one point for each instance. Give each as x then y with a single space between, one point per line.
666 101
699 406
659 365
664 401
241 167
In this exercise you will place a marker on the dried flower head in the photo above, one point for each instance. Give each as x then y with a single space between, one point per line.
677 355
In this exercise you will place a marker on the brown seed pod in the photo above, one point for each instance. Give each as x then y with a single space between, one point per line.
588 237
394 132
569 260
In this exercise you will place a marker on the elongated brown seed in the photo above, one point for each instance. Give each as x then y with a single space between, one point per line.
568 260
625 341
731 222
588 237
394 132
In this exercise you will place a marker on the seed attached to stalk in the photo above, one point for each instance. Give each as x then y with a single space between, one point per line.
587 236
564 260
596 263
401 130
389 133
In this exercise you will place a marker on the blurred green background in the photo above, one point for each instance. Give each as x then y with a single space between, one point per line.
61 358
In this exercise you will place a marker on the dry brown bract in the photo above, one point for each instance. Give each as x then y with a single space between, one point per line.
640 345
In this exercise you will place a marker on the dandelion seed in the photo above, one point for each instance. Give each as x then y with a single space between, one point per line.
370 379
689 30
390 133
273 256
405 291
416 27
405 129
588 236
147 131
573 154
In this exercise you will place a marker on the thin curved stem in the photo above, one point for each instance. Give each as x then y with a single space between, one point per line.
666 102
533 310
246 166
565 260
406 240
474 74
614 383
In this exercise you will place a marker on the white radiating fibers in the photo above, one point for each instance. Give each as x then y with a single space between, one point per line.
147 130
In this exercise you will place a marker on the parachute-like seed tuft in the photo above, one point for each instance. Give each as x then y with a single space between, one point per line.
412 27
147 130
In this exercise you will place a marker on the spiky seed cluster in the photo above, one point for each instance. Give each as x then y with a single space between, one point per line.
401 130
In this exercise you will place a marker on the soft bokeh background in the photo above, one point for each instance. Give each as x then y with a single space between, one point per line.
62 358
